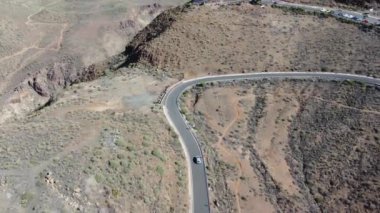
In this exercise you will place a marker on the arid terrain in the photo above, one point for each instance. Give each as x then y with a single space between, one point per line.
101 147
275 146
47 49
194 41
82 127
47 45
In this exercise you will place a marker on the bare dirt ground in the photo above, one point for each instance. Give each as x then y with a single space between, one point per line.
288 146
53 42
105 146
194 41
101 147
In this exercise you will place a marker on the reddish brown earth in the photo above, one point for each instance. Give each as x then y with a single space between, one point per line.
293 145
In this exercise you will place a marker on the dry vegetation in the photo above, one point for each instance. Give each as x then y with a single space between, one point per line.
289 145
101 147
195 41
104 146
48 45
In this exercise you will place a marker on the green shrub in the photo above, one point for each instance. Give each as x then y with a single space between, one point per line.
145 144
120 143
26 198
160 170
99 178
113 164
120 156
115 193
157 153
130 148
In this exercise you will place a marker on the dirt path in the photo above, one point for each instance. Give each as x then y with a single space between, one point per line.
88 137
347 107
6 84
30 22
60 39
54 46
22 51
226 152
61 34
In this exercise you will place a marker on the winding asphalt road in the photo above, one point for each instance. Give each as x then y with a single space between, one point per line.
198 187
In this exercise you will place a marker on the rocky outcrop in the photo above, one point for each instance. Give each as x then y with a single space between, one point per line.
50 80
41 82
135 50
41 88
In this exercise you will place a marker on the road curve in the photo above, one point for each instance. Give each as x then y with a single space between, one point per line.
198 188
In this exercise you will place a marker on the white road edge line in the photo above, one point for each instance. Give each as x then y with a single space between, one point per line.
292 75
187 156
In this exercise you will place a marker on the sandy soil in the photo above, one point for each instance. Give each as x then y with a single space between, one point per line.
211 39
41 35
100 147
249 133
104 145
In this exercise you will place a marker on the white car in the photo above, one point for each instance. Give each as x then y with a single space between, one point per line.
197 160
348 16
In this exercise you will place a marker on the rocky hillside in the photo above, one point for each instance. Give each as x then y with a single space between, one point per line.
288 146
136 49
193 41
42 88
38 83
